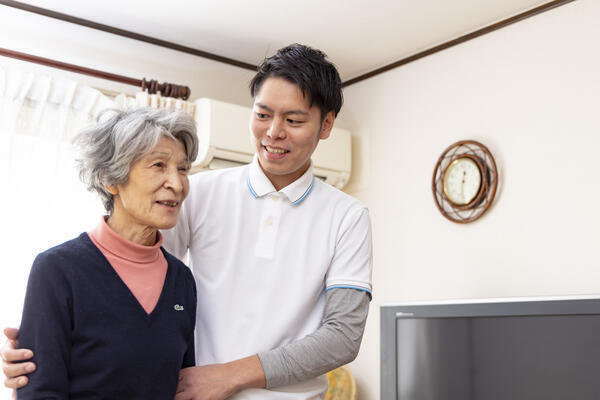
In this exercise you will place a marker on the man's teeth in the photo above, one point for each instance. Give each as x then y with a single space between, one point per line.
169 203
274 150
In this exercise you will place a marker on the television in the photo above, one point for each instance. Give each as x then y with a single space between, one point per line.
497 349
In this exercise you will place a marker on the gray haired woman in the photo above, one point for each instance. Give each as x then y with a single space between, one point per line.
110 314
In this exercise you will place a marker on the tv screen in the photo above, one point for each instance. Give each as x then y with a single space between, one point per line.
513 350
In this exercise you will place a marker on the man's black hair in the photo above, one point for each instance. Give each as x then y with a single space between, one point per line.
308 68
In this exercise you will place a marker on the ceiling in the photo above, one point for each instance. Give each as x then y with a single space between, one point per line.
358 35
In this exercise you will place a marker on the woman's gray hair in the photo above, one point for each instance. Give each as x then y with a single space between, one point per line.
108 149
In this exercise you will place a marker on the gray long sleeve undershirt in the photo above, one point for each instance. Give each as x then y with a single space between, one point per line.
335 343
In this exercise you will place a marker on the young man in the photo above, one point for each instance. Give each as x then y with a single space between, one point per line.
282 261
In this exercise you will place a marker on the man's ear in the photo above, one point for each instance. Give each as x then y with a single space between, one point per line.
327 125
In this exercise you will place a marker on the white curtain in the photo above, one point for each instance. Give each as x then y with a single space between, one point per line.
143 99
42 201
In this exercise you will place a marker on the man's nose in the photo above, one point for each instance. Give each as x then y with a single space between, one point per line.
277 129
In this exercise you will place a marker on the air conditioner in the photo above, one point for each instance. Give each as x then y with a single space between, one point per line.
224 141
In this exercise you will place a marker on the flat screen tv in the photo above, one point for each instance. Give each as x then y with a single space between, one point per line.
502 349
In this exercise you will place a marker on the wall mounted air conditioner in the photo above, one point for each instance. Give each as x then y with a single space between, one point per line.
224 141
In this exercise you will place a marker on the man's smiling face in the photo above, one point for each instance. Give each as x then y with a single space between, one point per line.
286 130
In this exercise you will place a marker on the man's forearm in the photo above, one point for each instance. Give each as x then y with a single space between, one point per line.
246 373
335 343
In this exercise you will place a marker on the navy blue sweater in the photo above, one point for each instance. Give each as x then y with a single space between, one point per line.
90 336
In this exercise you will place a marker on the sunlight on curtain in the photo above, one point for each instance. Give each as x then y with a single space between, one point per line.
143 99
43 202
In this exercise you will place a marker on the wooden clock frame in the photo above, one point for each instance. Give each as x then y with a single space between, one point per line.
484 160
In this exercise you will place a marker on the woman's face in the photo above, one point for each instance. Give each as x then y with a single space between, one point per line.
157 184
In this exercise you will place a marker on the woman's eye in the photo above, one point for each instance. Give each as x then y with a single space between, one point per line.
158 164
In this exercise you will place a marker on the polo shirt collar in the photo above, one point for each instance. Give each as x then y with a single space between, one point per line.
259 185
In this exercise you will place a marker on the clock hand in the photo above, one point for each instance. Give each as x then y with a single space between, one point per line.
462 186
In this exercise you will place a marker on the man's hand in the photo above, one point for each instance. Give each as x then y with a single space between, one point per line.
14 372
219 381
209 382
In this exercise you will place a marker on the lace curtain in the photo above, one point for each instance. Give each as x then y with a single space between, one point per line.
43 202
143 99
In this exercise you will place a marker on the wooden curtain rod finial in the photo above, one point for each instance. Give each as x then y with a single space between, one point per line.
166 89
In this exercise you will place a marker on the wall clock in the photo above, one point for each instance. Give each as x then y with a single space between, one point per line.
464 181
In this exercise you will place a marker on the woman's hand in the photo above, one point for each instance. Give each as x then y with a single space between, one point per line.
13 370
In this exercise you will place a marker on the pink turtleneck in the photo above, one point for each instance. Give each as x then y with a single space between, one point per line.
142 268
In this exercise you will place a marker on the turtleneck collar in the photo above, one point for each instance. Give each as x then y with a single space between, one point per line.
111 242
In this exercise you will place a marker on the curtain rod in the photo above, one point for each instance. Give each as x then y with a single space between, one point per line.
152 86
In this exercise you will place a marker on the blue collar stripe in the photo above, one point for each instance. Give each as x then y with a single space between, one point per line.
305 193
250 187
255 195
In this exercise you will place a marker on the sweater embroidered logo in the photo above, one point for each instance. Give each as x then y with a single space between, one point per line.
178 307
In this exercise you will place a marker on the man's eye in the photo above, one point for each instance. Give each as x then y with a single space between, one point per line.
294 121
261 115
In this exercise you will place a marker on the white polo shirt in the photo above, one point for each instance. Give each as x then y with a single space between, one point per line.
263 260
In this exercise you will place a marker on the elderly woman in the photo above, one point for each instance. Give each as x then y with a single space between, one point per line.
110 314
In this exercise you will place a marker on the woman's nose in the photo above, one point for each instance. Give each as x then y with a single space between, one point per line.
174 180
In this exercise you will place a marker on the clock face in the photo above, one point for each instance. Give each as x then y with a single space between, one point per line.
462 181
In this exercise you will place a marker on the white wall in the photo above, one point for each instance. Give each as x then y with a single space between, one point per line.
530 93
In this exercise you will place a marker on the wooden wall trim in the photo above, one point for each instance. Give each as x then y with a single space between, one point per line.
480 32
128 34
174 46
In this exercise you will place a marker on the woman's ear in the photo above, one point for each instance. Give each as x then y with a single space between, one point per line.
112 189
